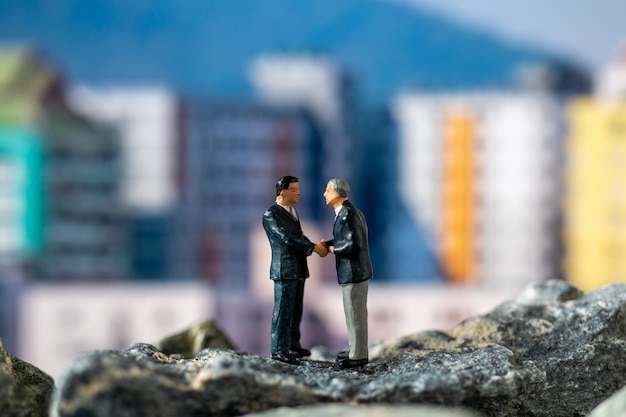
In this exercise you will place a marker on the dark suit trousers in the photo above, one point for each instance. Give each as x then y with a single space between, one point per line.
288 297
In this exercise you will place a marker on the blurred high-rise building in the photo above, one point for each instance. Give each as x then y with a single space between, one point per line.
147 119
481 173
595 178
397 244
553 76
319 85
610 82
595 204
233 155
59 174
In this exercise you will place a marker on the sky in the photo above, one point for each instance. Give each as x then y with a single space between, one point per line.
590 31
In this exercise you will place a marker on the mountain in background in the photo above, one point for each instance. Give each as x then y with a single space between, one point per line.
205 46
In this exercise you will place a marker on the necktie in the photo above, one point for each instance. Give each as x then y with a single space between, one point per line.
293 212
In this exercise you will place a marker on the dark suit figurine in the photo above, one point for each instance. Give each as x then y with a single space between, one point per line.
288 269
354 270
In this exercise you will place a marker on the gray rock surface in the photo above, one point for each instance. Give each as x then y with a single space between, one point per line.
552 351
196 338
25 390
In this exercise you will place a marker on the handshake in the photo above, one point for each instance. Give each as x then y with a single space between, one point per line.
322 248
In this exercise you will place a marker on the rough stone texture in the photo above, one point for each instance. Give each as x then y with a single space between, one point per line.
24 389
193 340
550 352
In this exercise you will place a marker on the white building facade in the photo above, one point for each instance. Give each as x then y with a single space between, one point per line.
482 172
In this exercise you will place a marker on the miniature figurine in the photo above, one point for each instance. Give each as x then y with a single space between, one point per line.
288 270
354 270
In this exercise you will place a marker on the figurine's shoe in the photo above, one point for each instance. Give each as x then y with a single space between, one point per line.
352 363
287 357
344 354
300 352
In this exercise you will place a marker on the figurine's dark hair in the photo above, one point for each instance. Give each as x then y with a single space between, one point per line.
341 186
283 183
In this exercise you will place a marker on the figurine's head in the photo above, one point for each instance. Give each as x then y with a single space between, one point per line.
287 190
341 186
283 183
337 191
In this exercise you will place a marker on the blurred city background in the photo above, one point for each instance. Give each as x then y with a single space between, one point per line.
140 143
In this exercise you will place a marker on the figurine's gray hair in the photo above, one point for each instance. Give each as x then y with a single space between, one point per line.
341 186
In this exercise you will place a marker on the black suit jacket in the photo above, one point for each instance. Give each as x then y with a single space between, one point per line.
290 247
352 254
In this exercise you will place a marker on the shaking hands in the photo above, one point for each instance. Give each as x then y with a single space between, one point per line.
321 248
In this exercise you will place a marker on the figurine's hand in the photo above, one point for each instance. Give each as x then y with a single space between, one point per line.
320 249
331 249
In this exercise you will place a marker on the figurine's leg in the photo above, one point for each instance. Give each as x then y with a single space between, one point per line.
284 293
297 314
359 305
348 311
355 310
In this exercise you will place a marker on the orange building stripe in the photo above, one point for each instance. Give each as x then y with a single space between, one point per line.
457 244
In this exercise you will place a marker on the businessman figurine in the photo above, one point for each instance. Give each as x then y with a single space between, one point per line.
288 270
354 270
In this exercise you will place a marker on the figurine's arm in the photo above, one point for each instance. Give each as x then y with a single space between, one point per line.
343 243
298 241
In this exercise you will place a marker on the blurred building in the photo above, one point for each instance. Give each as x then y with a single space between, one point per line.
147 120
595 204
397 244
610 82
233 155
59 173
319 85
481 173
557 77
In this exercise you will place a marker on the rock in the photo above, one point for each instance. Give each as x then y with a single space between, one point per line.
191 341
552 351
351 410
25 390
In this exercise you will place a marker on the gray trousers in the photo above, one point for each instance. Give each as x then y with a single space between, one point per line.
355 309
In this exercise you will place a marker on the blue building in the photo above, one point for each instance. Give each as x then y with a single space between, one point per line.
232 156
